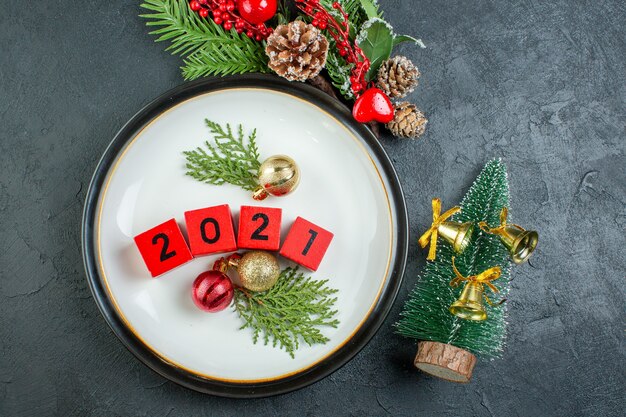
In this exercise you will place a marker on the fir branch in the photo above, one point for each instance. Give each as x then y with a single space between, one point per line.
283 14
228 160
339 72
213 59
425 315
288 312
190 34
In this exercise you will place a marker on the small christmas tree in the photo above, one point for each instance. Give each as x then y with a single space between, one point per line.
426 316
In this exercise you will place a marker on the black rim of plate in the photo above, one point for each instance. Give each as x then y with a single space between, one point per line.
318 371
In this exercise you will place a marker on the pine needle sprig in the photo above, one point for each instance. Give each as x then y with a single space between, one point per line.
290 311
229 159
339 72
214 59
196 37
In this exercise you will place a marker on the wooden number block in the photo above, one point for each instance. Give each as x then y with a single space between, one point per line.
306 244
210 230
259 228
163 247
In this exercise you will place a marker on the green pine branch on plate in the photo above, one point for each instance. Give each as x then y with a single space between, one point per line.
290 311
425 315
193 36
231 158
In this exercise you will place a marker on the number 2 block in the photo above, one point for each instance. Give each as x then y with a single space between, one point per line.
163 248
210 230
306 244
259 228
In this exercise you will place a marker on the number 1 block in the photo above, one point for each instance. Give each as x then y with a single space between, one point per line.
259 228
210 230
163 248
306 244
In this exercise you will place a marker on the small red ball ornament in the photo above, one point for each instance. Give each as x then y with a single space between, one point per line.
257 11
373 105
212 291
195 5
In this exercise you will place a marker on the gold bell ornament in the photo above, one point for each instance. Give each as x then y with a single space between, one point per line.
520 242
457 234
278 175
470 304
258 270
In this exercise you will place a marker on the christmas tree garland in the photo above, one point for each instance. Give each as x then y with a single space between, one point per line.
349 39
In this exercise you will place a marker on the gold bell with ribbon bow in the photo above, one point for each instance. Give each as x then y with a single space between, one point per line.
520 242
470 304
457 234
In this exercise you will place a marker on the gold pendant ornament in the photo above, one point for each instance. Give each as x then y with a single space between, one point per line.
520 242
278 175
258 270
457 234
469 305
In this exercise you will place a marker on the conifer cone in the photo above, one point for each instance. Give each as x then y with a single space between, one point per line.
408 121
397 77
297 51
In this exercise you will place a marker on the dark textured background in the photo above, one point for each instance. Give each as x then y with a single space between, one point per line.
539 83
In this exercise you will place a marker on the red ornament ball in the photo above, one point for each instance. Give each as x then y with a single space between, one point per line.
212 291
256 11
195 5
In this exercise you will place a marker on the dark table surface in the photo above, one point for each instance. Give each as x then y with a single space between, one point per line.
538 83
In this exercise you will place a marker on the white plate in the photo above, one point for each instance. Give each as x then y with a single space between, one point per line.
348 187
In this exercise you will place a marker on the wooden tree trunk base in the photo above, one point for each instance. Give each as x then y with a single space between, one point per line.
445 361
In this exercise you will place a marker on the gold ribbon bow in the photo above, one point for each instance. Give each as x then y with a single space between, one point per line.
483 278
430 236
500 229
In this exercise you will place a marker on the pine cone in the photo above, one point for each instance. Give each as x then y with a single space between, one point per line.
397 76
297 51
408 121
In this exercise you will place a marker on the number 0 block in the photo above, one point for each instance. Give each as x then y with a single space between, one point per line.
210 230
306 244
163 248
259 228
